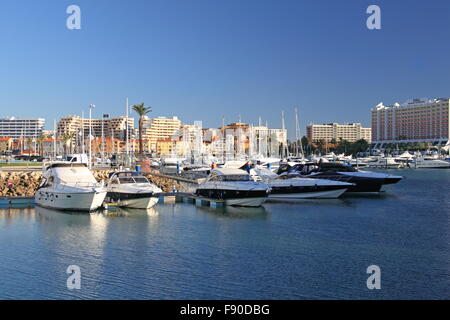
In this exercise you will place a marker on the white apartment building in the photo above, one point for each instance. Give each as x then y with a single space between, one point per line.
334 131
21 128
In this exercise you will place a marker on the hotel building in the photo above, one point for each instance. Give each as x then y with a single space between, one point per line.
160 128
21 128
417 120
110 127
350 132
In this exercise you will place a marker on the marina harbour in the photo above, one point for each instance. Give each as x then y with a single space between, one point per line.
225 155
313 249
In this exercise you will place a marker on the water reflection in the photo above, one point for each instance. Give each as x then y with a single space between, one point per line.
230 212
7 215
151 212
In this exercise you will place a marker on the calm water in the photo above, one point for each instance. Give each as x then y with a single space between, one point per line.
312 250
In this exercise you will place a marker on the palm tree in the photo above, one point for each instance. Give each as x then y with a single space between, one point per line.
67 139
29 143
142 111
40 141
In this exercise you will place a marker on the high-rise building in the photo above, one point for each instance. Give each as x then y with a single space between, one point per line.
107 127
159 129
334 131
417 120
21 128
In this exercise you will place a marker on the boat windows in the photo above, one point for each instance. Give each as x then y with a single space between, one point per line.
236 177
125 179
233 177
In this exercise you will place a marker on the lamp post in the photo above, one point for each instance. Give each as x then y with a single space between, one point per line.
91 106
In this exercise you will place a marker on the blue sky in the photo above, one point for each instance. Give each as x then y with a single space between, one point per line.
204 59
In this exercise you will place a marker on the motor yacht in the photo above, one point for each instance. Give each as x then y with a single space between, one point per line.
69 186
363 181
132 190
234 186
425 162
384 163
292 186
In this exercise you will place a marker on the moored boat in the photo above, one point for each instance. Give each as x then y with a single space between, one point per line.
69 186
132 190
234 186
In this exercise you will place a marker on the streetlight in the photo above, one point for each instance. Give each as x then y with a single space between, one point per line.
91 106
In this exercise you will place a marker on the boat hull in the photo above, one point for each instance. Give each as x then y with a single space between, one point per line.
246 202
244 198
360 184
324 194
140 203
83 201
140 200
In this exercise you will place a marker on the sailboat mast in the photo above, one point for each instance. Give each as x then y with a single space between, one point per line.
298 141
283 127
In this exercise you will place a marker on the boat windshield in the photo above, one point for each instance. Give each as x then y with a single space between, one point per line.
124 180
131 177
231 177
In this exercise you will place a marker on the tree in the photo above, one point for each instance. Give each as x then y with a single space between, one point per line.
305 141
360 145
320 144
67 139
142 111
29 144
40 139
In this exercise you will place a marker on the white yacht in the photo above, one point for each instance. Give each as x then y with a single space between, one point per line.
385 163
292 186
234 186
132 190
425 162
69 186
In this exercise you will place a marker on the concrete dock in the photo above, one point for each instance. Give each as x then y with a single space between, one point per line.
164 198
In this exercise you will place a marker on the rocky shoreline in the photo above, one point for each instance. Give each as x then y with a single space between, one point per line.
25 184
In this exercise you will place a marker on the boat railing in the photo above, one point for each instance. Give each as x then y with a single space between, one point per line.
68 185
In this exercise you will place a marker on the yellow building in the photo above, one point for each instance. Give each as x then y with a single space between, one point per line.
5 144
110 127
159 129
165 146
333 131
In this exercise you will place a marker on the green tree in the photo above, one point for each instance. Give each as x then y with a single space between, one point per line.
320 144
40 139
67 139
29 145
142 111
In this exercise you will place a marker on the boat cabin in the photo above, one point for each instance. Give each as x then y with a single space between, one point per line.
127 177
228 174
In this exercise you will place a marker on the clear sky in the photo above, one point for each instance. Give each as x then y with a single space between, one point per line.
204 59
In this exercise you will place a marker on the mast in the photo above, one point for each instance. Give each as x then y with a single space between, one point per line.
54 139
223 139
298 141
283 128
82 132
126 129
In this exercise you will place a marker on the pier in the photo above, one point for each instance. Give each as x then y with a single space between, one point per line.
164 198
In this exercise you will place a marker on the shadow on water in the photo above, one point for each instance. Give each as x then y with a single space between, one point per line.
231 212
370 195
